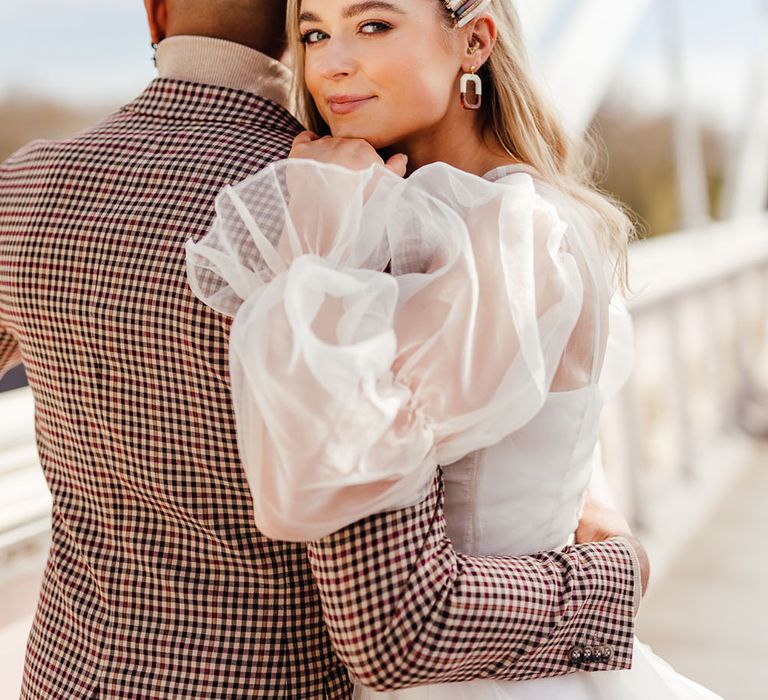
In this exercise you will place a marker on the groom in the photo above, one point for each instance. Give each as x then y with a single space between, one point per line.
158 584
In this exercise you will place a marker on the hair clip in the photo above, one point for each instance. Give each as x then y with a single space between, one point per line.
464 11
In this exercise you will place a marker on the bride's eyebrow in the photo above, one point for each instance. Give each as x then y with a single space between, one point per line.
360 7
357 9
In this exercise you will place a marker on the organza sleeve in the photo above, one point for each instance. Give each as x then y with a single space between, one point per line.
351 385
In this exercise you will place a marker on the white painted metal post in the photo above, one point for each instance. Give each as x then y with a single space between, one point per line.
691 171
716 357
583 60
673 317
635 456
746 190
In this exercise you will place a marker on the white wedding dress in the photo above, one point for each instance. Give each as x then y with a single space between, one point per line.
489 349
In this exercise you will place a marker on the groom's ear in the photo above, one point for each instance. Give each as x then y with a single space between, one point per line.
157 16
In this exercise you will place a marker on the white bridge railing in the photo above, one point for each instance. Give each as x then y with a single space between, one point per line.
692 415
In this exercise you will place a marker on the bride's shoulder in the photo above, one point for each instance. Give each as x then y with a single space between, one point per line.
513 183
565 204
496 174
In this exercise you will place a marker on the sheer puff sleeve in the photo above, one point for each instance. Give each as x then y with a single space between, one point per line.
351 385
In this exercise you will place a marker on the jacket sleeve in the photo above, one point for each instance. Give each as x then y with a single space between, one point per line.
10 356
403 608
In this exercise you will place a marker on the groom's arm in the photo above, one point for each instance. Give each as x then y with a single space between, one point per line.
404 608
10 355
9 352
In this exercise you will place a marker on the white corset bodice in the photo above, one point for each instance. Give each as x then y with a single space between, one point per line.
525 493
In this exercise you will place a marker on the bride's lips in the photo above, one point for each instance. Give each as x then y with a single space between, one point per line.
344 104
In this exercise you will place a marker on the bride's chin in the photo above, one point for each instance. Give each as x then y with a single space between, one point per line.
371 136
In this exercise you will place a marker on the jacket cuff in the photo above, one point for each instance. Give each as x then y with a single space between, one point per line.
637 592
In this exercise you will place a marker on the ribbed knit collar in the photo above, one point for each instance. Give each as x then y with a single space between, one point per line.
209 61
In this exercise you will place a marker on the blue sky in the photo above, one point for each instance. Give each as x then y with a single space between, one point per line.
81 50
721 40
98 51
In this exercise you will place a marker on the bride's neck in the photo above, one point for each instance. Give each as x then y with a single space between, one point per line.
457 140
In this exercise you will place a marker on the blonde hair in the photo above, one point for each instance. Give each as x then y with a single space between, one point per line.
525 124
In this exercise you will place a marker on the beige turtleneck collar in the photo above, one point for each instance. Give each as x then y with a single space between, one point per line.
202 59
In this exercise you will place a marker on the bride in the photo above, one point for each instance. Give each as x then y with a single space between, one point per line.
429 279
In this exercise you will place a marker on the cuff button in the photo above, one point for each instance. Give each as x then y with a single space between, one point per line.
575 655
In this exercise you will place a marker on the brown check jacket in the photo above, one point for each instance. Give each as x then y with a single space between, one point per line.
158 584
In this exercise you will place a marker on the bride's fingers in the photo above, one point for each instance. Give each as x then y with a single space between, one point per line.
398 164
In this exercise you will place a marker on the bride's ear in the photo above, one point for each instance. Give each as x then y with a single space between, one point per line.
479 40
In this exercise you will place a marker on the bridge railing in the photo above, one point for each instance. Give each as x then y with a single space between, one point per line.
688 421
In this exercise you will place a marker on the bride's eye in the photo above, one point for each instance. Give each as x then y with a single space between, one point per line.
313 36
374 27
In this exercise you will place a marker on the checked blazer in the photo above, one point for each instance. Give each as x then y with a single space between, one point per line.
158 584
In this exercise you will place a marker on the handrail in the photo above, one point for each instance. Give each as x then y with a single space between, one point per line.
685 263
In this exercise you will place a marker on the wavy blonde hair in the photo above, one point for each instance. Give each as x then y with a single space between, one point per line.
522 119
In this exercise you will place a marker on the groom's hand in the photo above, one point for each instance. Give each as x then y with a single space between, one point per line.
599 522
355 154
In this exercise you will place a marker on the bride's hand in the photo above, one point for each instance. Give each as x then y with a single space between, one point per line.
600 522
355 154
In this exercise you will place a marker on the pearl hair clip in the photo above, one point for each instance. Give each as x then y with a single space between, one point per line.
464 11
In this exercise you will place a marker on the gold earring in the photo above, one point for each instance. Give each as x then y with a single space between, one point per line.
474 80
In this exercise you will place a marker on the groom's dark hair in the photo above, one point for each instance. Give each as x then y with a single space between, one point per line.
259 24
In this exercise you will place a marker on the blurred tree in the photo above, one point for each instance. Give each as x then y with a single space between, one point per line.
25 117
637 165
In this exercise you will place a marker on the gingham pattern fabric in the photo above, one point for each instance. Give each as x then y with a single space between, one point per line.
406 609
158 584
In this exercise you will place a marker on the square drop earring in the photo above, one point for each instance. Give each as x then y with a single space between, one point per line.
471 79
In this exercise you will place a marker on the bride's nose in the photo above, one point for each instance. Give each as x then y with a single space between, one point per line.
337 61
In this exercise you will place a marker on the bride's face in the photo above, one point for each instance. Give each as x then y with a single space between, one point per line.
379 70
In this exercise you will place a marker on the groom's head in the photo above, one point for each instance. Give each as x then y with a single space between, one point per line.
259 24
